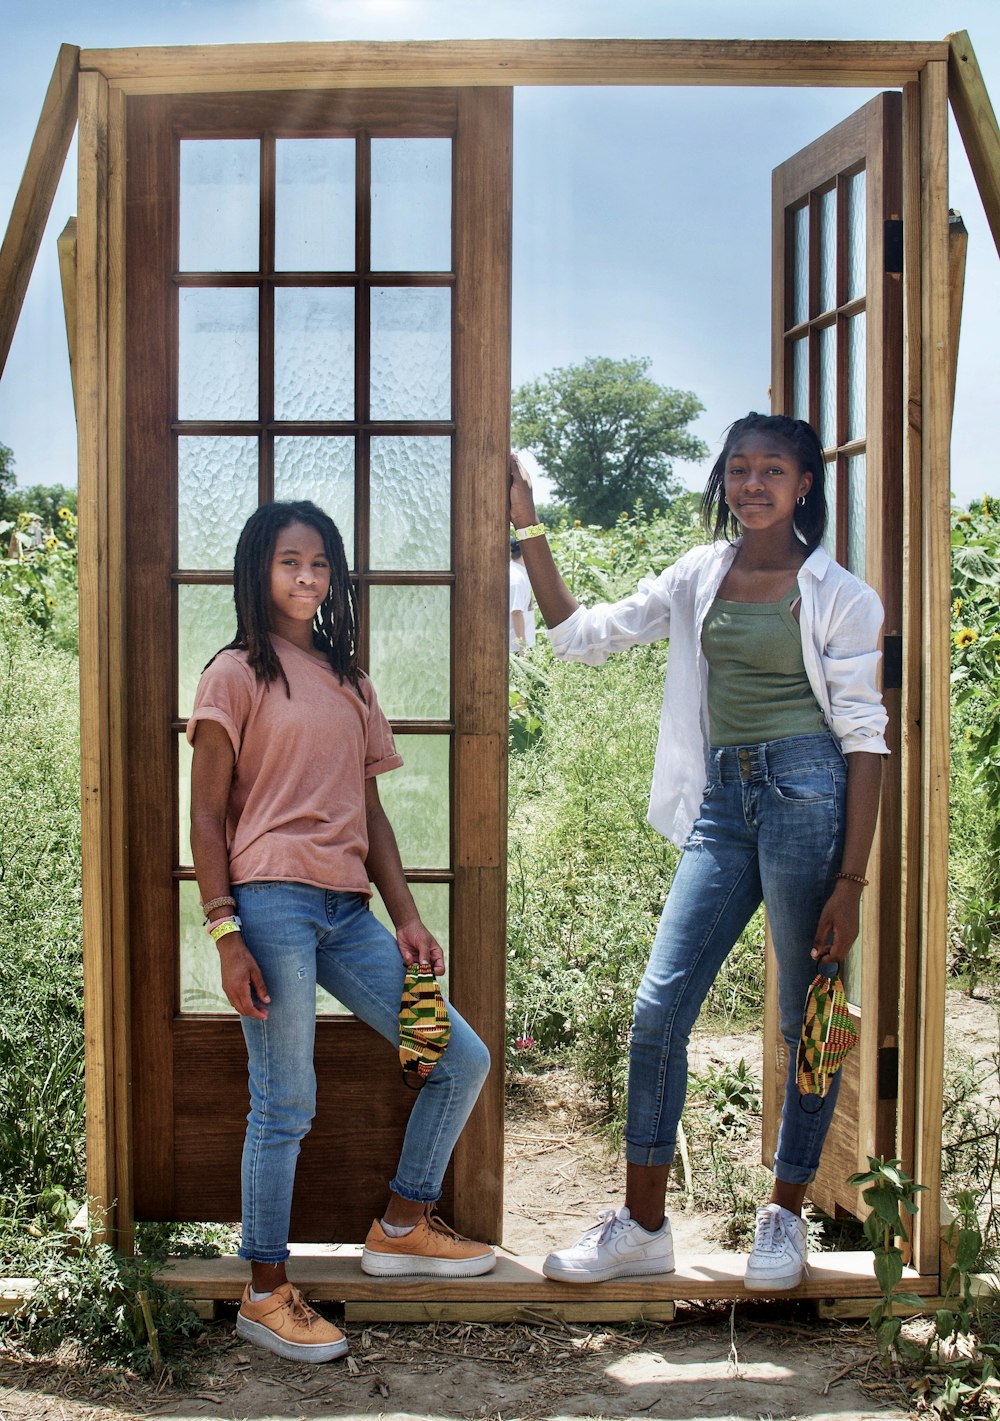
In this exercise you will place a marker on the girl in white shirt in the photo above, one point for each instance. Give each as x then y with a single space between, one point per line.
767 774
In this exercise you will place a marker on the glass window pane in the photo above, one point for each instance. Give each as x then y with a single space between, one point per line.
857 383
411 651
851 970
433 901
856 494
800 379
216 493
411 353
411 204
828 387
830 488
828 251
800 266
206 621
201 983
321 468
314 352
857 245
411 502
184 753
218 360
220 204
416 800
314 204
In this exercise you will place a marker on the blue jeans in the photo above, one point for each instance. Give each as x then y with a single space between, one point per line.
299 936
771 827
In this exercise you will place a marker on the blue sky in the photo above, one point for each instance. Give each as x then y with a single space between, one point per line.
642 216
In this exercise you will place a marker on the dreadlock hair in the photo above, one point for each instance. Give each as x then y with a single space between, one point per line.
802 442
335 627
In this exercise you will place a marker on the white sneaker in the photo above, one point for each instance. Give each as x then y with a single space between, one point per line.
778 1258
616 1247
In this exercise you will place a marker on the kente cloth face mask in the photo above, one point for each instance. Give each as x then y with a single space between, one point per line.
828 1033
424 1028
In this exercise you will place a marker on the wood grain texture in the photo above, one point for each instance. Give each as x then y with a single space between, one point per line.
33 202
977 123
470 63
66 245
958 247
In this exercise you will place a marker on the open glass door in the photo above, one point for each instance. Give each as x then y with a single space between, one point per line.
837 360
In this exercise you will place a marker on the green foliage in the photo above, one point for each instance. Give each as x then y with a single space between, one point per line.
7 478
891 1194
42 501
607 435
38 573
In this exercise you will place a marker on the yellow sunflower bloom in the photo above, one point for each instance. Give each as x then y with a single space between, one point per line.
965 638
64 513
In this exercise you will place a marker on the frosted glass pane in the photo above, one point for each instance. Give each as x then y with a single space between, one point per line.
432 900
857 383
857 245
410 651
216 493
184 753
206 621
856 488
220 204
411 353
416 800
830 532
313 353
314 204
851 970
411 204
201 981
320 468
828 251
800 379
217 374
827 386
800 267
411 503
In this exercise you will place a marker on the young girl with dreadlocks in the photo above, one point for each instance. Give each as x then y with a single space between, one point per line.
288 833
767 775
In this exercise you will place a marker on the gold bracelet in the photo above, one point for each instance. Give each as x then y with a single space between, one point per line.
224 927
536 530
854 878
225 901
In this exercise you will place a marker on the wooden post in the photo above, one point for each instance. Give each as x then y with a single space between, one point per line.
958 246
33 202
977 123
67 277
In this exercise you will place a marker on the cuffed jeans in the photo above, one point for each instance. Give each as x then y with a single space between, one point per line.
771 827
301 936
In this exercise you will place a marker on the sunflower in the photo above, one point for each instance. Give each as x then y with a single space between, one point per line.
965 638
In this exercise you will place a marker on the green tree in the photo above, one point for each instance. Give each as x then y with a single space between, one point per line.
43 500
607 435
6 479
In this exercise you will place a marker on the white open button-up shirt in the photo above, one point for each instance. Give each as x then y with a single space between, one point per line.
840 621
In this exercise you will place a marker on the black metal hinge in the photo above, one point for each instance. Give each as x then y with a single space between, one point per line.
888 1073
892 663
893 244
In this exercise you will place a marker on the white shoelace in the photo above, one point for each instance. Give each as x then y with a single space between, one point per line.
770 1231
601 1231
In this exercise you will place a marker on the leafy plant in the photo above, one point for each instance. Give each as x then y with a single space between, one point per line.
38 572
891 1194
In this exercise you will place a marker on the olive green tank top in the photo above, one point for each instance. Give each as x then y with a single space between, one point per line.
757 684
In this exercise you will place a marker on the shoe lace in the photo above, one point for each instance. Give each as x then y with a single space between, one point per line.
300 1309
770 1230
601 1231
437 1225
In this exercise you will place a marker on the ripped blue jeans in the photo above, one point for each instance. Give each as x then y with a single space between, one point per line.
301 936
771 827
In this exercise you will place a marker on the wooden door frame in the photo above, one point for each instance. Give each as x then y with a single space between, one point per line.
106 77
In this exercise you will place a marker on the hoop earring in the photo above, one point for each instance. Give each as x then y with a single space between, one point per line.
801 500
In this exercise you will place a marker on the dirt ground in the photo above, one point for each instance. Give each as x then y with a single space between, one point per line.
754 1361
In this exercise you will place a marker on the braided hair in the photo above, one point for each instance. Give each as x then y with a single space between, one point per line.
335 629
802 442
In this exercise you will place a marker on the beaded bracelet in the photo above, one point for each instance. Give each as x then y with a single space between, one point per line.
224 926
854 878
224 902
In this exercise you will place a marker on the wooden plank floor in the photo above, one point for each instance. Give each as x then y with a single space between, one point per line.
517 1285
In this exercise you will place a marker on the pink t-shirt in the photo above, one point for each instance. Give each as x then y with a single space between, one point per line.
297 803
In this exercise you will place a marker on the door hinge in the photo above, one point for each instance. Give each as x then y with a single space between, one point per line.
892 244
892 663
888 1073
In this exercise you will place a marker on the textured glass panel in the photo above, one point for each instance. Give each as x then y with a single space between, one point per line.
313 352
319 467
416 800
411 204
432 900
217 375
201 982
220 204
857 383
216 493
314 204
411 503
828 251
206 621
851 970
800 268
410 651
184 753
800 379
828 386
411 353
856 490
857 245
830 532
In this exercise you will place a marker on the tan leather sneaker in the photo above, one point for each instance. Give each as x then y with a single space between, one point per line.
285 1323
430 1247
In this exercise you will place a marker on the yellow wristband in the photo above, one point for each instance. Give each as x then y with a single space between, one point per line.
537 530
225 926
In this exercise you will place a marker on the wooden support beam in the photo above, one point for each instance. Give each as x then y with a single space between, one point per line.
977 123
465 63
67 277
33 202
958 245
